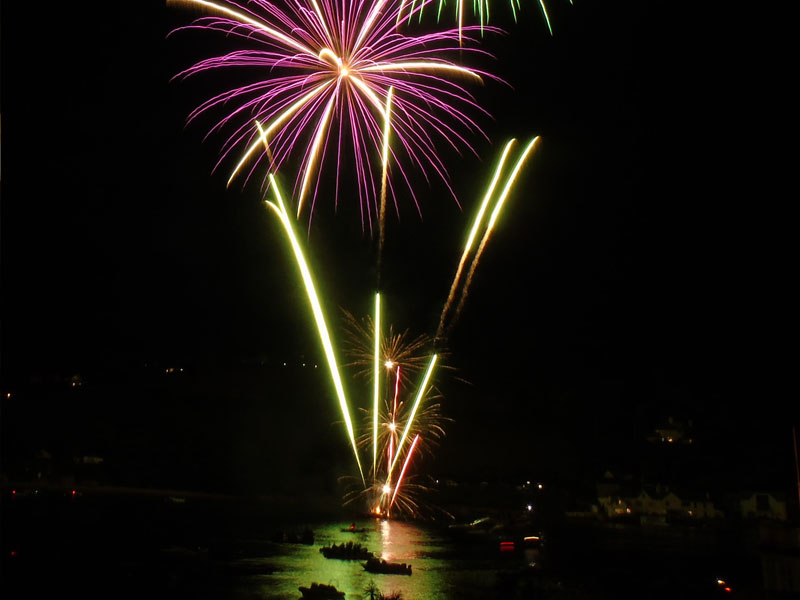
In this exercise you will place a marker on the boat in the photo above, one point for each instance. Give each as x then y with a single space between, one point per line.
347 551
321 591
378 565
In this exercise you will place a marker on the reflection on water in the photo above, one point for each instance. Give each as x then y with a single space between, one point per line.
437 570
137 548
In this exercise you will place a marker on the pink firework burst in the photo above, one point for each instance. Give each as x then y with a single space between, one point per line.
340 79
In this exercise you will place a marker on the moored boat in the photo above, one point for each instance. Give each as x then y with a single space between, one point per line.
378 565
347 551
321 591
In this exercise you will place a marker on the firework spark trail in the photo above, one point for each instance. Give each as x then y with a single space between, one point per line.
403 470
377 376
387 113
422 389
489 227
481 9
319 317
546 17
330 66
393 416
471 238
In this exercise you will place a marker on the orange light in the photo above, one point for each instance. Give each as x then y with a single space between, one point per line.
727 589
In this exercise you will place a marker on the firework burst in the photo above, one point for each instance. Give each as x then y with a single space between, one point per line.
409 429
480 9
331 75
405 422
397 348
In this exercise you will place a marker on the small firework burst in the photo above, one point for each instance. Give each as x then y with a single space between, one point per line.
405 424
397 349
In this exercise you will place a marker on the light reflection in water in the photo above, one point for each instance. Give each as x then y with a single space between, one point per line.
438 569
400 541
386 540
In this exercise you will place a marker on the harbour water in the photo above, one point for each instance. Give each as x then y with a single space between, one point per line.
106 547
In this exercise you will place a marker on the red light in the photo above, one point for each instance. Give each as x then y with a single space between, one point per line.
74 492
13 553
13 492
727 589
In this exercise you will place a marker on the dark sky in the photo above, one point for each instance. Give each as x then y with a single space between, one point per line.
623 284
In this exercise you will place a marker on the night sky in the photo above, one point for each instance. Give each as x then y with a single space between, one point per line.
624 283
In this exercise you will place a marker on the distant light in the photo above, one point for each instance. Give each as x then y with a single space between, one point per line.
527 483
13 492
74 492
727 589
315 366
540 486
8 395
284 364
721 581
531 538
304 364
530 507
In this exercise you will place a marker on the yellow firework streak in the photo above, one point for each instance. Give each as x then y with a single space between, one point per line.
490 226
509 183
422 389
264 133
474 232
387 119
319 317
419 66
245 19
546 18
376 9
377 366
322 130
